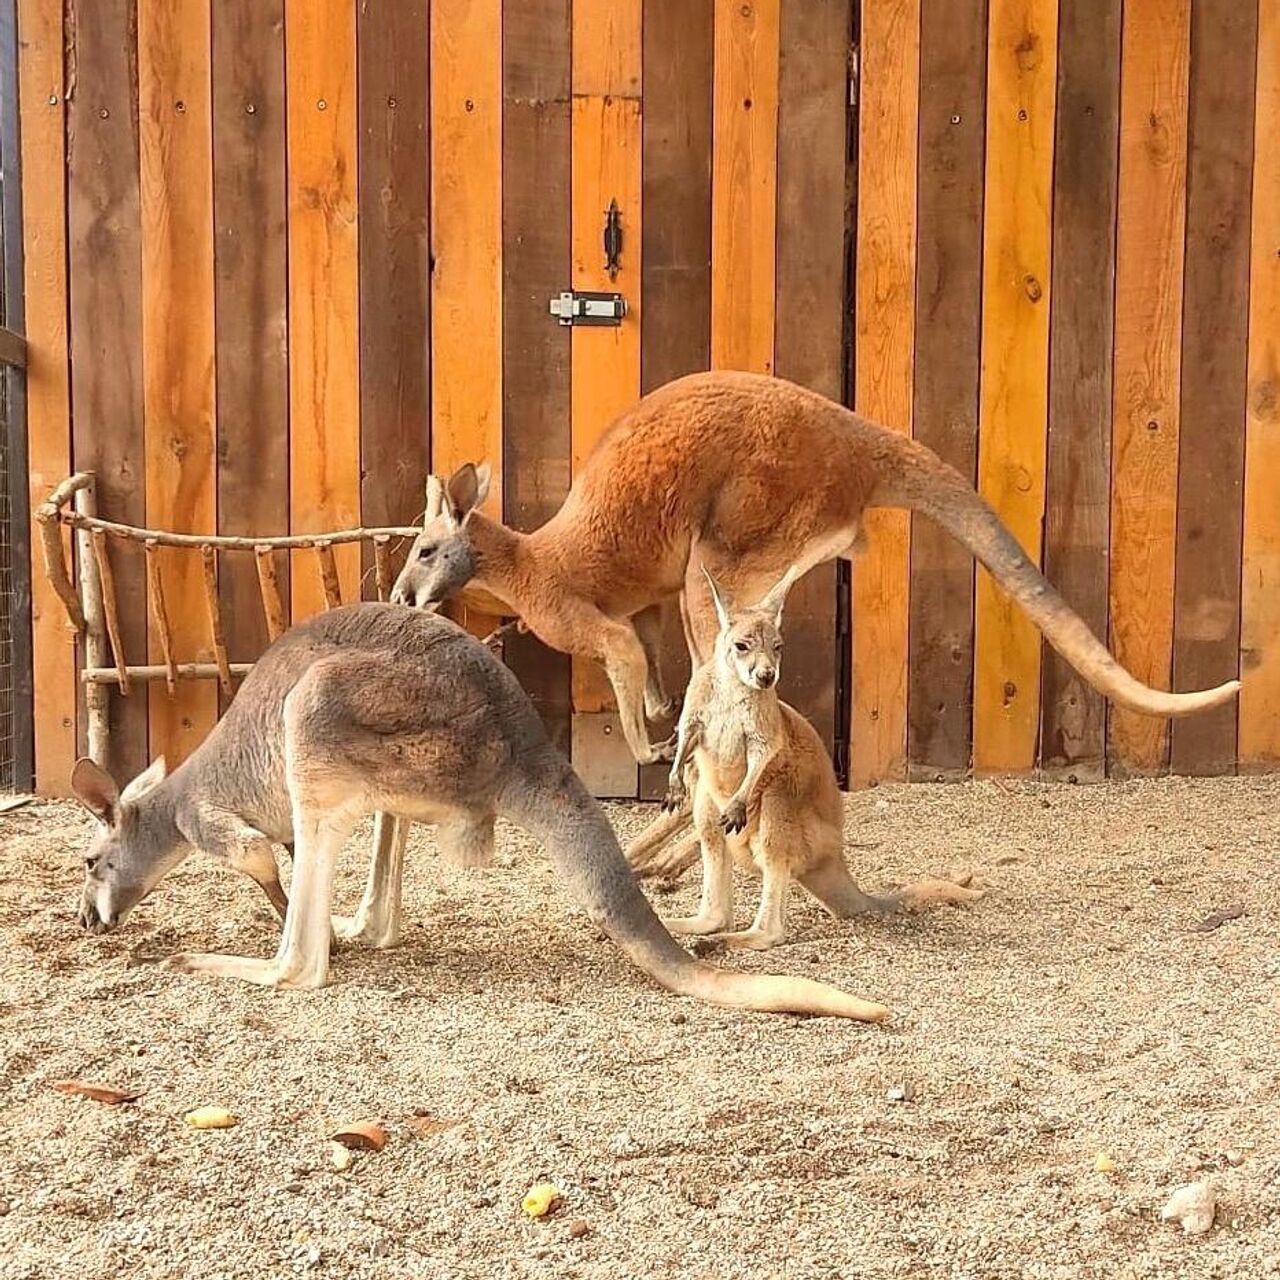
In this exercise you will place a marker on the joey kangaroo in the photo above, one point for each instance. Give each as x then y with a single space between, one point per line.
378 708
764 788
746 474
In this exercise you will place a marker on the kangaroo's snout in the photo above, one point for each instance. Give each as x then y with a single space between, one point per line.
766 677
90 918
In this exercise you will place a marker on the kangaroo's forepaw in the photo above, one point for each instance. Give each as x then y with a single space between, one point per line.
676 798
734 817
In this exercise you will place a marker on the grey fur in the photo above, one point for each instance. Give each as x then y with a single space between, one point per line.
381 708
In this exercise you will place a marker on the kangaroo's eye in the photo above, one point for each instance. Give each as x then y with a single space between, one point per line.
91 864
426 553
741 645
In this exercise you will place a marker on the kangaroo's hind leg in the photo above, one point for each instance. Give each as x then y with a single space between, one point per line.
715 911
376 922
659 703
303 957
770 925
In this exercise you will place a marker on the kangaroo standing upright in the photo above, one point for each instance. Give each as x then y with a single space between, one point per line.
376 708
746 475
764 789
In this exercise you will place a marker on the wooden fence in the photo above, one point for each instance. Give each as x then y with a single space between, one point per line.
283 255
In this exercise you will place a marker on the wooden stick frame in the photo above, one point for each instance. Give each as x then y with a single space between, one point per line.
93 607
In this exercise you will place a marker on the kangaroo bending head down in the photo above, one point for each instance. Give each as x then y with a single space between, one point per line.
746 474
382 709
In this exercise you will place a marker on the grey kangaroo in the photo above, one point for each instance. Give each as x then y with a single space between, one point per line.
380 708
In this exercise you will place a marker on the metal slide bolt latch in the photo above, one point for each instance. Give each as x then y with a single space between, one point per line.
580 307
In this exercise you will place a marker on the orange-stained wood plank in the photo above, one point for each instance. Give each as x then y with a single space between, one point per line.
884 367
1260 600
1021 80
1155 53
466 242
324 383
176 153
44 214
744 184
104 234
607 142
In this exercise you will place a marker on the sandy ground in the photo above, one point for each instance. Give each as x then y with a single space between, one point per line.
1074 1011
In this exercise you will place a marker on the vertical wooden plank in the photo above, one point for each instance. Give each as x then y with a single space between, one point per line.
104 235
176 141
605 378
1078 484
324 356
678 62
1148 321
251 289
1021 63
1206 619
883 364
466 241
676 259
953 61
44 214
1260 603
395 339
536 444
813 118
744 184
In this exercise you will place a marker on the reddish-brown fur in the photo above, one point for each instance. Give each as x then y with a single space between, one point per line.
744 475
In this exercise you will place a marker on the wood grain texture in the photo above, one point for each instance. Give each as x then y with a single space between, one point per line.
1021 78
324 355
466 243
176 143
884 351
607 143
953 60
744 184
395 271
1260 581
44 215
104 237
813 125
250 280
1078 482
1148 323
675 338
1206 619
536 145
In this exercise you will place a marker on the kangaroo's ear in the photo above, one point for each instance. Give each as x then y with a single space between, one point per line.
776 596
484 476
435 499
96 789
152 776
718 599
466 490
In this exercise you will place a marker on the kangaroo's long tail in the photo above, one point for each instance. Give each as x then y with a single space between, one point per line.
552 804
925 483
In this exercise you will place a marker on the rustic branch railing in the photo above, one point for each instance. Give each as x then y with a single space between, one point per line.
94 610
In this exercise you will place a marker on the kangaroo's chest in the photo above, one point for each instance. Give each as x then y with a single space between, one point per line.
723 751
